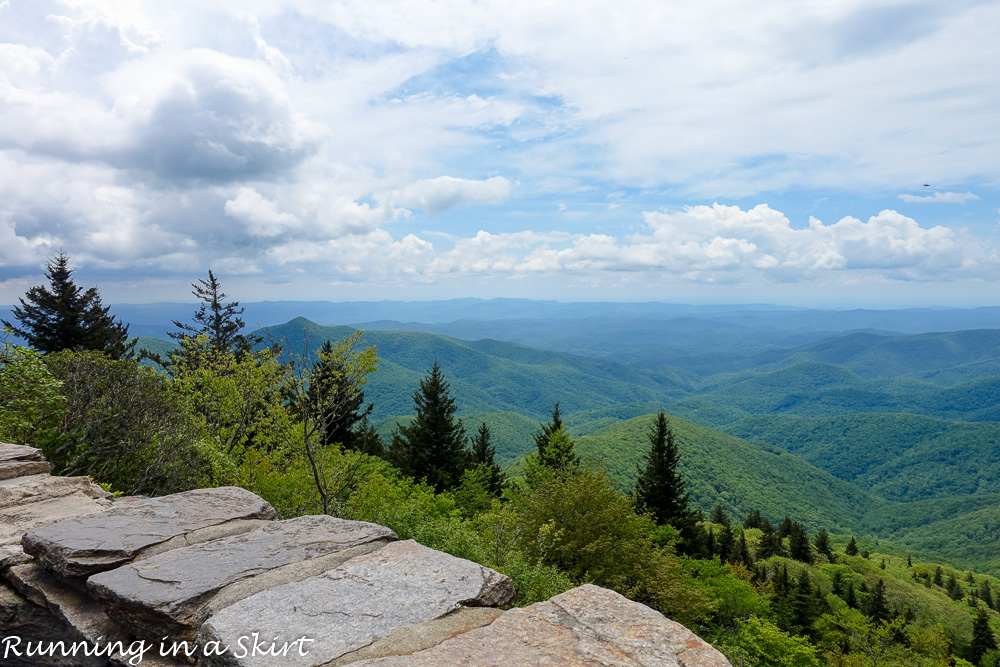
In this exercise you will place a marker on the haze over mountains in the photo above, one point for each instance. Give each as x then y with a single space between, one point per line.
884 423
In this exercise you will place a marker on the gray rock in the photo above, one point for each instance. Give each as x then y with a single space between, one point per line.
172 593
587 626
82 546
11 469
9 452
16 521
28 622
349 607
35 488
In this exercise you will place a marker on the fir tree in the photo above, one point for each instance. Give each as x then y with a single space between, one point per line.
983 639
799 547
837 583
909 562
218 320
822 542
726 544
336 401
542 437
558 452
938 574
852 548
803 603
484 454
986 595
719 516
877 607
63 317
711 548
432 447
744 551
770 543
367 440
785 528
851 599
953 588
659 488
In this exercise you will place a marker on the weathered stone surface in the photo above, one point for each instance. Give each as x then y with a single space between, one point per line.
587 626
11 469
81 613
365 599
9 452
171 594
27 622
82 546
16 521
35 488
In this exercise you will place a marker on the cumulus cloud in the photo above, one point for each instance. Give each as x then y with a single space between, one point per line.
940 198
436 195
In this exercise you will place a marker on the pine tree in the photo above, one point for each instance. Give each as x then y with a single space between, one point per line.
852 547
62 317
542 437
432 447
877 607
367 440
726 544
220 321
983 639
799 547
336 401
769 544
986 595
822 543
558 452
785 529
660 489
851 599
744 551
753 520
484 454
803 603
938 574
719 516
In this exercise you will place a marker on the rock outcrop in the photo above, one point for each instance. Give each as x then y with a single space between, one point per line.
212 577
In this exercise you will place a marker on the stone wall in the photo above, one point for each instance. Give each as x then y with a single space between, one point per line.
175 580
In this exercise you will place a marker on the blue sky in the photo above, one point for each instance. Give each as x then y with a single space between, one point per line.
344 150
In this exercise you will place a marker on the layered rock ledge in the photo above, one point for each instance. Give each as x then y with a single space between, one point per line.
211 577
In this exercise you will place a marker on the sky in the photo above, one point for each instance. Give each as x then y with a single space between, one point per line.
841 153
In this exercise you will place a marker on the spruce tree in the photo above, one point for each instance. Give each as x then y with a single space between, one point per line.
432 447
719 516
983 639
753 520
367 440
64 317
803 603
558 451
542 436
659 488
877 607
986 594
726 544
335 399
799 547
822 542
852 547
484 454
851 599
938 574
218 320
744 551
785 528
770 543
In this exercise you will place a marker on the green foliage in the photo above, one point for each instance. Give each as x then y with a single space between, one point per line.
220 322
63 317
484 458
557 452
433 445
31 404
123 426
762 644
659 487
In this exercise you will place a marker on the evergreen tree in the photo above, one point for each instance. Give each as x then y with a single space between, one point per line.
852 548
753 520
542 437
726 544
986 595
882 564
953 588
660 489
744 551
877 607
983 639
719 516
799 547
336 401
851 599
367 440
803 603
822 543
220 321
711 548
484 454
938 574
63 317
785 528
558 452
909 562
432 447
837 583
770 543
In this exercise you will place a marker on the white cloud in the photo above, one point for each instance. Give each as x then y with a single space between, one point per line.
436 195
940 198
261 216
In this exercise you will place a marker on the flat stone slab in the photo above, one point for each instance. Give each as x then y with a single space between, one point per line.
585 627
351 606
172 593
35 488
82 546
16 521
11 469
9 452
